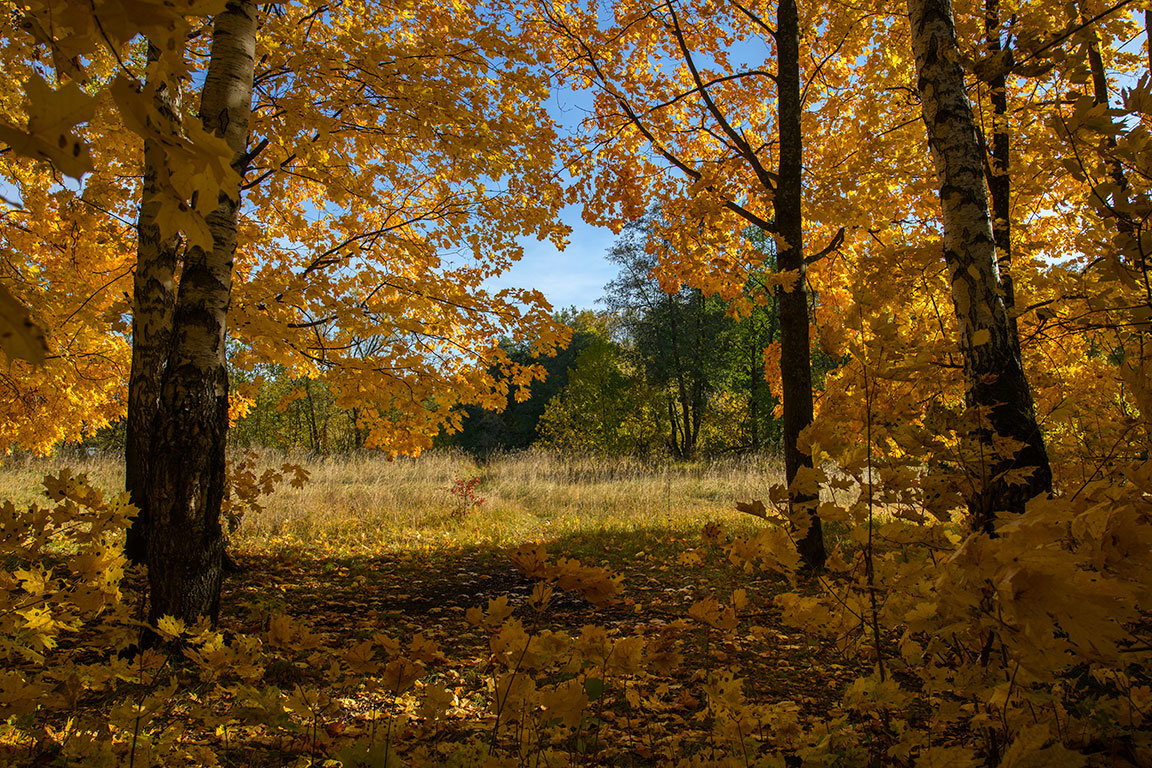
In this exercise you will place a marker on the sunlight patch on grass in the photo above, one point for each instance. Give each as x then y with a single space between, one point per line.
366 503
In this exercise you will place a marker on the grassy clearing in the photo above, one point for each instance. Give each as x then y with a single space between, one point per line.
365 504
21 477
399 520
368 502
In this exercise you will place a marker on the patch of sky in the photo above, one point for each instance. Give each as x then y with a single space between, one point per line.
574 276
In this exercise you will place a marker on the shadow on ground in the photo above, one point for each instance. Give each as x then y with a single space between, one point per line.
348 598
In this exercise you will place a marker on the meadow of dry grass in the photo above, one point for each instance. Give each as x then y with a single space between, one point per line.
21 477
365 503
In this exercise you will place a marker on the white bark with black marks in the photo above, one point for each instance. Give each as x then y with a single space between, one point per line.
153 301
996 385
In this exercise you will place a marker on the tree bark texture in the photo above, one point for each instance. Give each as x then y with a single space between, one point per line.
186 466
996 386
795 344
1148 37
153 301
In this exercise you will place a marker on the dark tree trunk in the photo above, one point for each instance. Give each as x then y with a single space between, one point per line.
358 437
795 345
679 439
153 301
313 427
997 389
186 464
1119 202
1148 37
755 371
682 435
186 542
999 179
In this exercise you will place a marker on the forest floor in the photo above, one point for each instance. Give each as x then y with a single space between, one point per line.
343 600
369 546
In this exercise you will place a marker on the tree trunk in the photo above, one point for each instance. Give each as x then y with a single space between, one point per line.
1119 202
186 472
313 428
996 386
358 437
153 301
677 443
755 371
795 346
681 423
1148 37
999 180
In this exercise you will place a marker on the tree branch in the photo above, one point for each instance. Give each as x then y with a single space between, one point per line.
834 245
767 179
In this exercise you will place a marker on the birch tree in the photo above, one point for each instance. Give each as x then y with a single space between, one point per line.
1012 465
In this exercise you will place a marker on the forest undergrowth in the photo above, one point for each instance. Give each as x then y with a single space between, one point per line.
571 614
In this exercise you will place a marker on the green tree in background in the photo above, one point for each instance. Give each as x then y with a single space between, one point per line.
517 426
606 407
657 371
294 412
687 344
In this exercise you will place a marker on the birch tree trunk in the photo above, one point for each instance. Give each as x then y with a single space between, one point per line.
186 466
795 342
996 386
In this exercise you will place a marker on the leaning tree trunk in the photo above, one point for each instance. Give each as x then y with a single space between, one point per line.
186 467
996 386
795 344
153 301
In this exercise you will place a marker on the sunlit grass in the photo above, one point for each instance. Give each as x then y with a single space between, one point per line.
21 478
367 504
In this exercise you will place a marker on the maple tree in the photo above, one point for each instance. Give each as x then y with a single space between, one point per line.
696 136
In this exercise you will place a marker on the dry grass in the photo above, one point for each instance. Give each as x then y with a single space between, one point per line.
369 503
21 477
366 503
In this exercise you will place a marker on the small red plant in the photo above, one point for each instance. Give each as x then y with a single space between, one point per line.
464 492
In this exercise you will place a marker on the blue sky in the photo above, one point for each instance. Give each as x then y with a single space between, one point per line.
573 277
577 275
